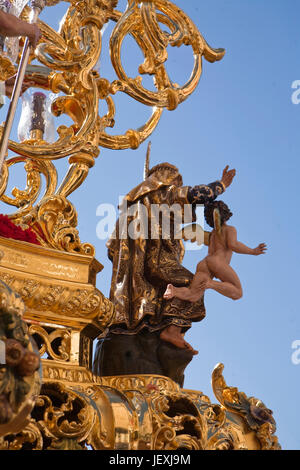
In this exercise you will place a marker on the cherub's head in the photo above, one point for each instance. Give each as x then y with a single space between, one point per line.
223 209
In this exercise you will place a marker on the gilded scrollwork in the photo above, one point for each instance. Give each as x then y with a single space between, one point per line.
145 382
43 296
56 371
257 416
67 60
130 412
141 20
61 420
180 419
45 337
56 402
55 221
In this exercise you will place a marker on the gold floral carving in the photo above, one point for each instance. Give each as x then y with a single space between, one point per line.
44 296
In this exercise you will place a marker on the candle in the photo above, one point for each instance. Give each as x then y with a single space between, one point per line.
38 111
36 122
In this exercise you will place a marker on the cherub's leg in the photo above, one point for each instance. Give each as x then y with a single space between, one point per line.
182 293
196 289
229 284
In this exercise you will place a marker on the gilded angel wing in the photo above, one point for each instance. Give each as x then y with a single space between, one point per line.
217 221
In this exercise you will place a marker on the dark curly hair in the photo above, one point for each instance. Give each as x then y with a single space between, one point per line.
223 209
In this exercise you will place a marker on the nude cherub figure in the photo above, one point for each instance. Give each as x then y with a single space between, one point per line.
222 243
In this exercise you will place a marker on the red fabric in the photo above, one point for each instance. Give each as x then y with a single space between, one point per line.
9 230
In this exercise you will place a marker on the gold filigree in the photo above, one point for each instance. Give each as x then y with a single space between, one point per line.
138 382
53 426
257 416
24 199
66 373
43 296
178 418
45 337
63 419
55 219
75 410
142 22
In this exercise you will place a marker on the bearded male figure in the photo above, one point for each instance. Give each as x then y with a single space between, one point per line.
144 263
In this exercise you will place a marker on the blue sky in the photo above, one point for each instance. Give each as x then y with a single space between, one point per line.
242 115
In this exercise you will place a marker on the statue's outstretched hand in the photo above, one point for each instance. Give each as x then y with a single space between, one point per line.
260 249
227 176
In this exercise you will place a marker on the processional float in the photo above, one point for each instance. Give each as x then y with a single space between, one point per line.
49 301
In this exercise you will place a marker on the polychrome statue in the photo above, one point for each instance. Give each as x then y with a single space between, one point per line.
216 264
145 261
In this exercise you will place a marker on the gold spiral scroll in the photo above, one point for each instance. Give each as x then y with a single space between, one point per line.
142 22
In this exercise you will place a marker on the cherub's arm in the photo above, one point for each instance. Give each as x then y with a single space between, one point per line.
238 247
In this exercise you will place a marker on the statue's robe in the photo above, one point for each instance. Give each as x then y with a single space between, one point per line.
143 267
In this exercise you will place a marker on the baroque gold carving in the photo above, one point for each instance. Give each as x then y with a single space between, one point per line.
141 20
257 416
56 371
55 220
139 382
61 352
67 420
67 60
42 296
77 409
179 418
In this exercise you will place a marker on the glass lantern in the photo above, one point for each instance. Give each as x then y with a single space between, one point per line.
36 121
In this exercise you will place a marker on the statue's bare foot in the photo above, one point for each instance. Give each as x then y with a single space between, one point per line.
176 339
169 294
188 346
